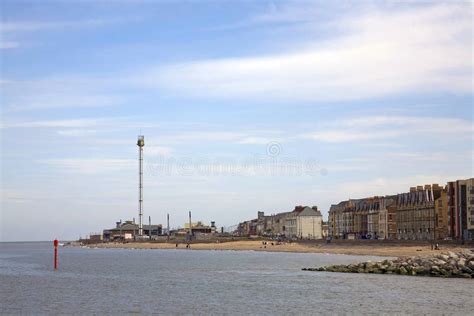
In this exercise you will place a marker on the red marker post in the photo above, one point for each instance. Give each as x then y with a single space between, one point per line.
56 254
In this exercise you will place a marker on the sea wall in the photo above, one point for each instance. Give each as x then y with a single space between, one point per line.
449 264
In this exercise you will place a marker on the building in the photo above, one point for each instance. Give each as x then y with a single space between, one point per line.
199 228
276 223
366 218
441 216
415 215
349 219
470 209
377 218
392 221
460 199
325 230
130 231
428 212
304 223
336 227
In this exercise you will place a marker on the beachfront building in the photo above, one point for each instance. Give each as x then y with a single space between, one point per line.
325 230
470 208
128 230
348 219
415 213
392 220
377 218
304 223
461 209
428 212
366 218
199 228
441 216
361 212
336 229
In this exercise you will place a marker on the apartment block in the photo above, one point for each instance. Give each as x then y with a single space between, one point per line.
415 214
460 199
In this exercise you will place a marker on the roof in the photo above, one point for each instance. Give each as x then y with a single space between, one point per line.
308 211
131 226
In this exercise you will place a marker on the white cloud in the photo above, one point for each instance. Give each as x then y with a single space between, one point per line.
256 140
61 100
236 137
31 26
77 132
72 123
386 127
91 166
60 92
387 186
158 151
339 136
8 45
382 53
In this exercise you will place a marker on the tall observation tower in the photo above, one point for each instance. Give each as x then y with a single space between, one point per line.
140 143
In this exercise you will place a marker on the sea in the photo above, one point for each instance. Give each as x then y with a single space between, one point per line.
201 282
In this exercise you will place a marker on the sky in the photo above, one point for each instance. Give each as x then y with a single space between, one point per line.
245 106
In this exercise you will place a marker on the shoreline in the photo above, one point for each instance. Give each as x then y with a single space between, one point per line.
382 250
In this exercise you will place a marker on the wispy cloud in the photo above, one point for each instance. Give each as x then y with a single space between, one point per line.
387 127
8 44
77 132
91 166
68 123
381 53
158 151
394 185
219 136
61 92
31 26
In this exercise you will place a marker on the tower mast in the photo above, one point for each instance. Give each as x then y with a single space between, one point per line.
140 143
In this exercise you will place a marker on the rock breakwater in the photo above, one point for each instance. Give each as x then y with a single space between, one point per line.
449 264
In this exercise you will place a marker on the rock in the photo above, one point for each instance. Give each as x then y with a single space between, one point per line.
444 257
440 265
470 264
453 255
465 275
421 271
467 270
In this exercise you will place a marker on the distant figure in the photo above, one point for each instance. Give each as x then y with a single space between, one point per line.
176 245
437 247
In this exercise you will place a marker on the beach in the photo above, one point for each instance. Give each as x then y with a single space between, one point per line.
361 248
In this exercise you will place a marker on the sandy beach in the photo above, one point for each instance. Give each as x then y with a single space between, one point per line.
389 250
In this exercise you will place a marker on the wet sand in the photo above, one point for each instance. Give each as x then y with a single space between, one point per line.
391 250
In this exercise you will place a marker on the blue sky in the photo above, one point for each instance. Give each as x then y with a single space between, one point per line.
245 106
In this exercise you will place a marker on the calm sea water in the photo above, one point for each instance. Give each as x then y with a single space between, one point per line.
98 281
